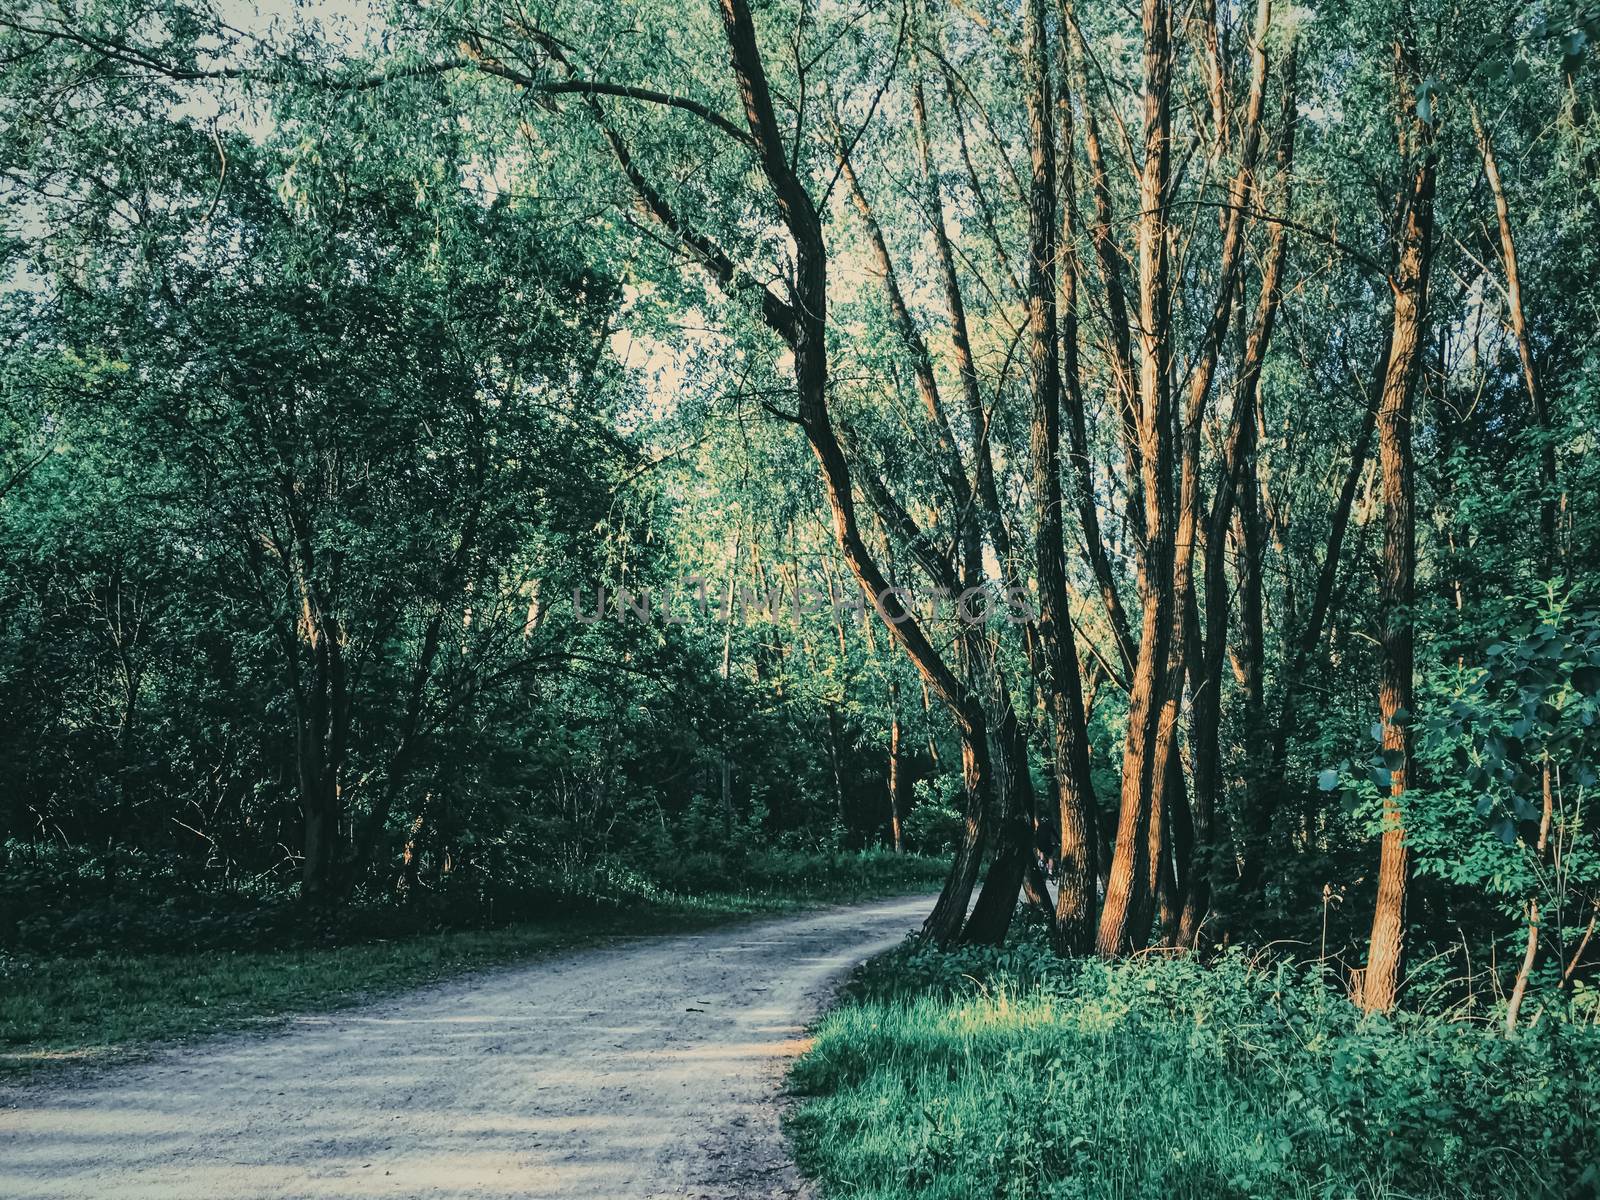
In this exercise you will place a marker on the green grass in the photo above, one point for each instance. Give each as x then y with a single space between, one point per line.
1166 1080
93 1009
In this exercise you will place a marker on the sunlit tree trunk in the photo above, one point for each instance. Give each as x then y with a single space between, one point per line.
1166 772
1125 915
1238 455
1385 969
1537 401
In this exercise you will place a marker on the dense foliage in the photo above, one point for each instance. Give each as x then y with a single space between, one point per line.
458 457
314 461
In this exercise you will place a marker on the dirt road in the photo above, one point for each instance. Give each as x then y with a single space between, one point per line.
644 1069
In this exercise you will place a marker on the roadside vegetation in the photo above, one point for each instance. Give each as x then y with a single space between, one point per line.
1011 1073
117 973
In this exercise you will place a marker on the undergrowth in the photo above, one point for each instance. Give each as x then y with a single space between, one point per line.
1012 1074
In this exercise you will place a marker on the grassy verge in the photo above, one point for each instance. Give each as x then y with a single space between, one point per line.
1007 1075
92 1009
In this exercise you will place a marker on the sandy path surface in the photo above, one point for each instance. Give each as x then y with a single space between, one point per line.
649 1068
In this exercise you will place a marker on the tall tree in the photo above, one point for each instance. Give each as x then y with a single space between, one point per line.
1385 969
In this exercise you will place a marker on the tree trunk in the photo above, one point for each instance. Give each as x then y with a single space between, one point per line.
725 674
1013 826
1167 768
1058 656
1385 970
803 326
950 910
1071 368
1237 458
1519 329
835 757
1530 955
897 772
1125 915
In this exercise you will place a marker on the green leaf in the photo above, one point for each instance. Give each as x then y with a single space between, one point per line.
1328 780
1505 830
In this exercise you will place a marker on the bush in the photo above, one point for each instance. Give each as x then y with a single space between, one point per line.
56 901
933 826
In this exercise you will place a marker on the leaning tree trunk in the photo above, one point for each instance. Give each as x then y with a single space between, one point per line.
800 320
803 326
1002 884
1537 400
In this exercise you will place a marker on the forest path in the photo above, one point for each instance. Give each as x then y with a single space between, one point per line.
647 1068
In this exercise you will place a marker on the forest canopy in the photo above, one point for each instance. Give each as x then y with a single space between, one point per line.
458 454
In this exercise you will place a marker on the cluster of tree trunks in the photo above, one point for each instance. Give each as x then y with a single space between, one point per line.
1160 873
1111 905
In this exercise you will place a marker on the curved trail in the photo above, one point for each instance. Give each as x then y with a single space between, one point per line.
649 1068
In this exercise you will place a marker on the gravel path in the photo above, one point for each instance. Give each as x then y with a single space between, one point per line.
648 1068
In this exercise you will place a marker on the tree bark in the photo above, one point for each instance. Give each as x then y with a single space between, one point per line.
1530 955
323 704
1060 682
1519 330
1071 366
1125 915
897 771
1385 970
1237 456
1013 823
1167 768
